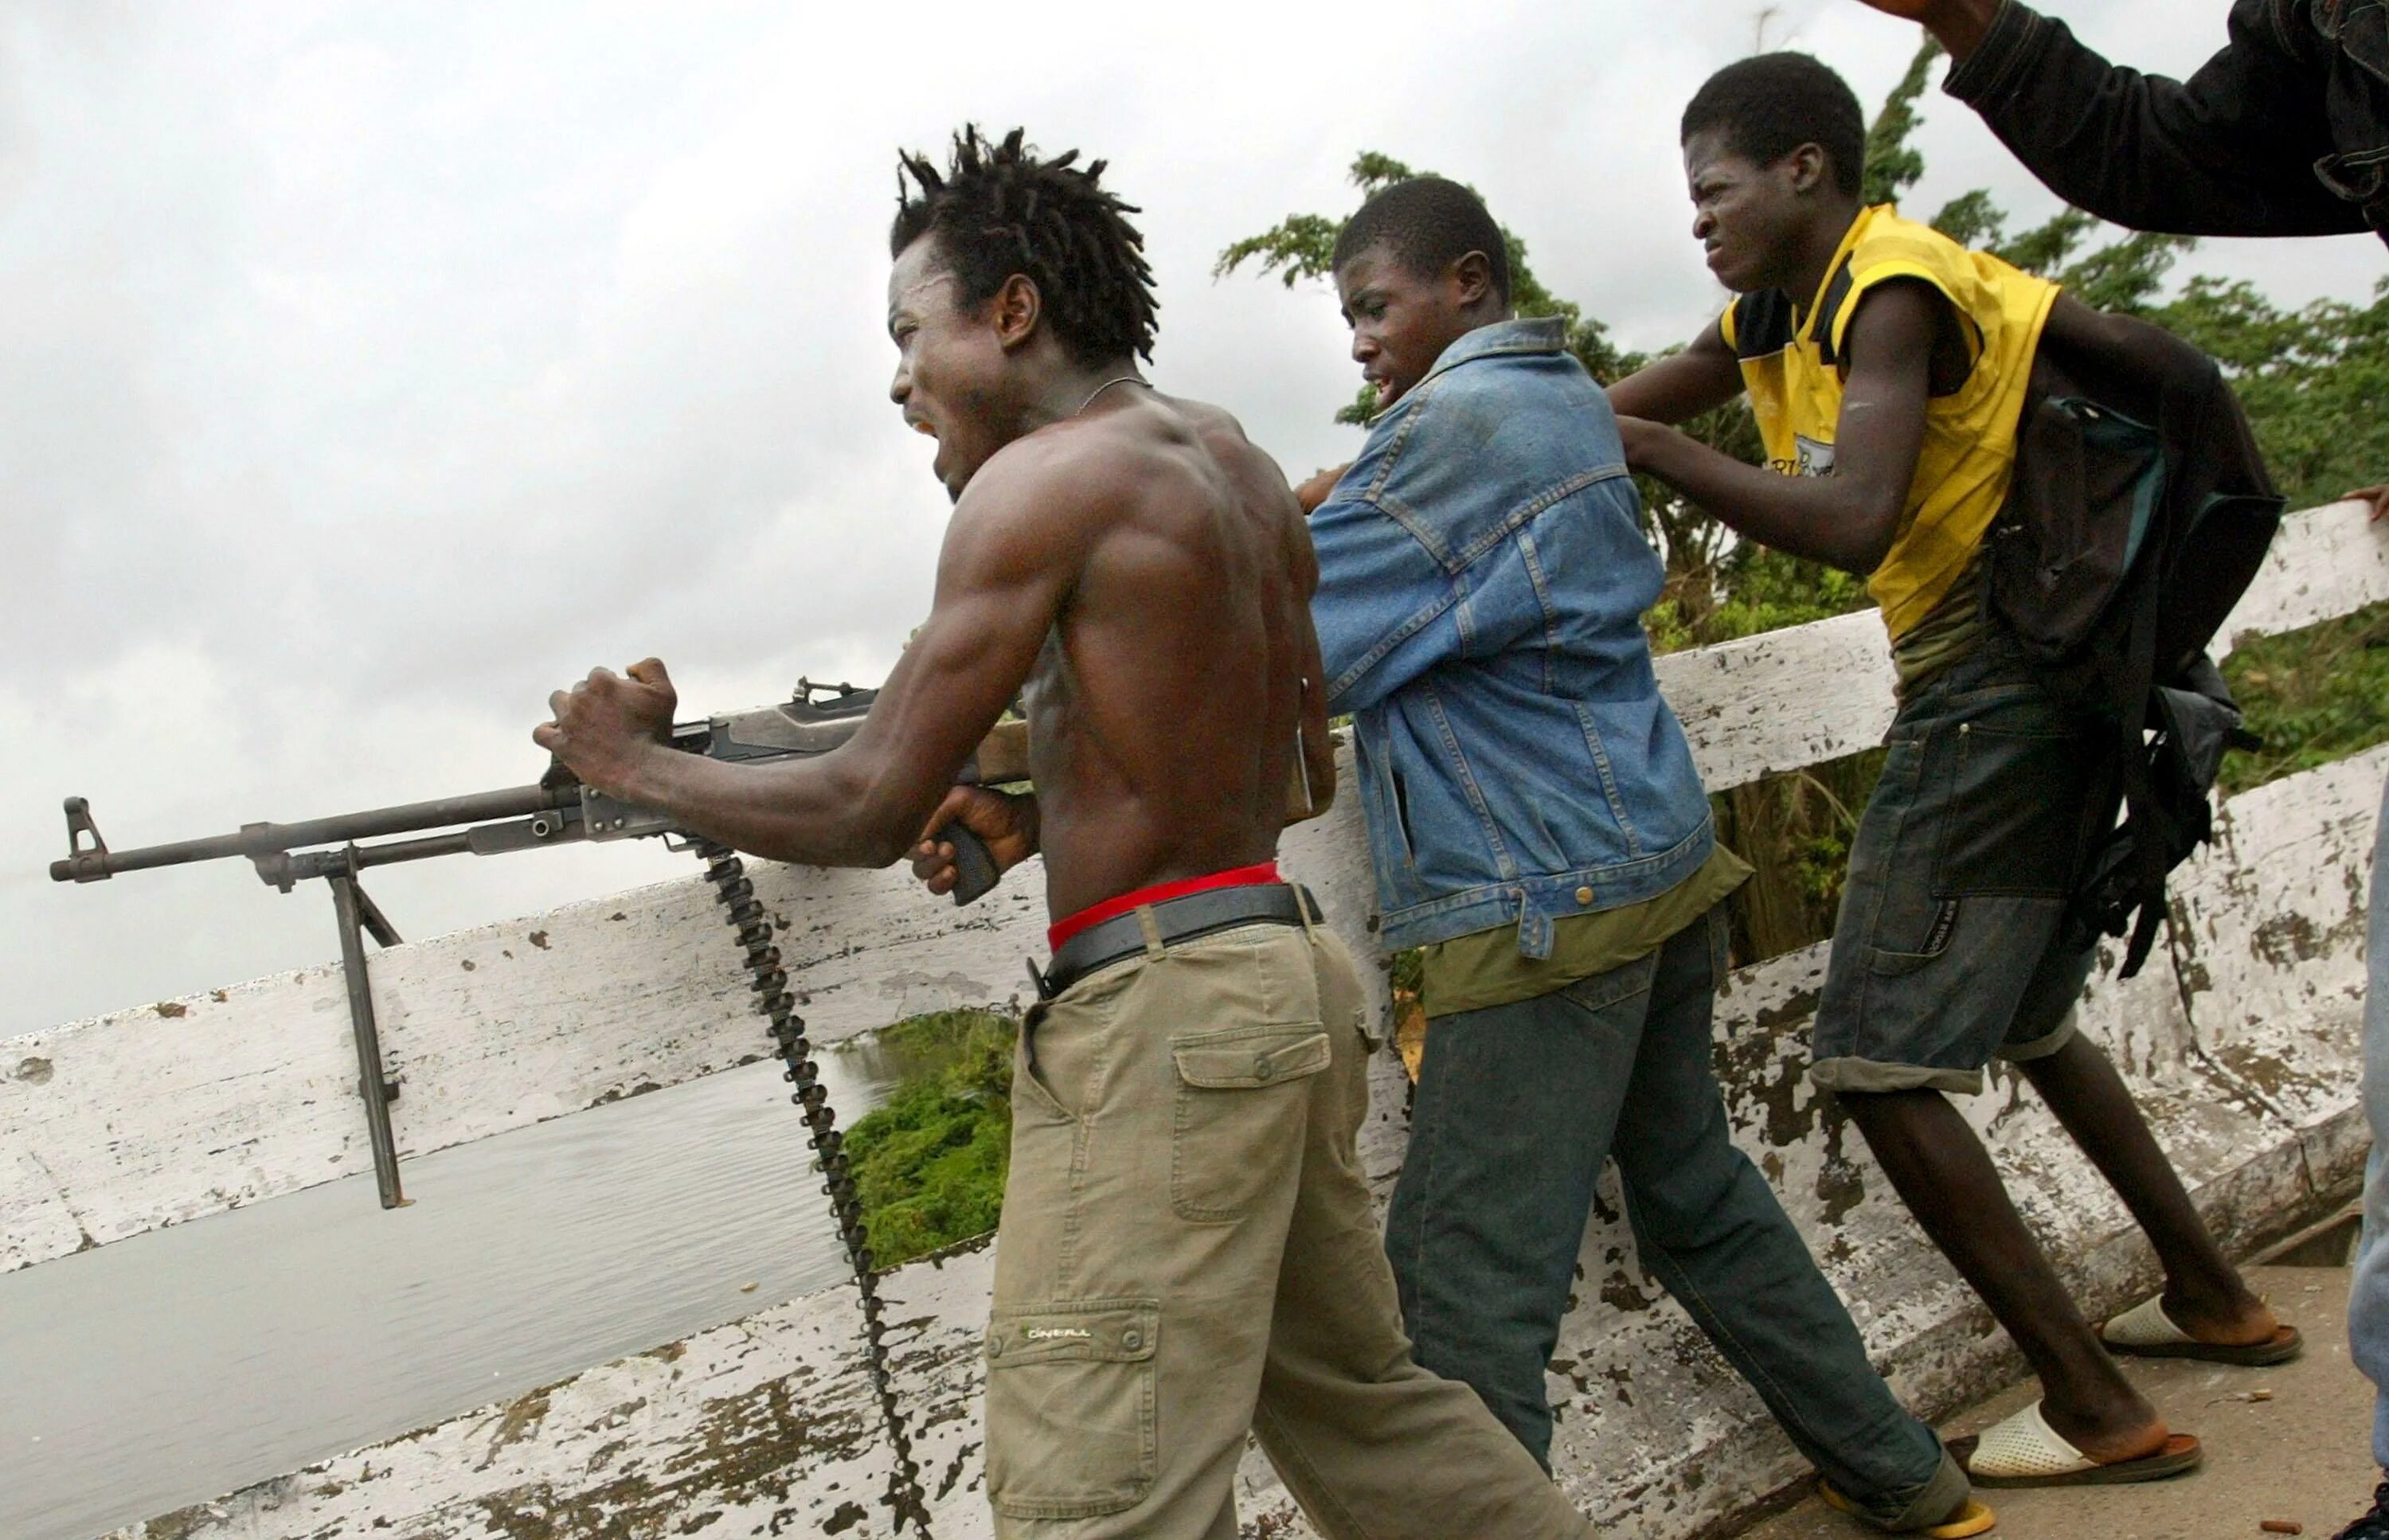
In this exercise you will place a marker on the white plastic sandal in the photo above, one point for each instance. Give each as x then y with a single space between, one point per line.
2146 1331
2024 1450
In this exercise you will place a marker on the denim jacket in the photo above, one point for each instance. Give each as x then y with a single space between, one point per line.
1483 574
2284 133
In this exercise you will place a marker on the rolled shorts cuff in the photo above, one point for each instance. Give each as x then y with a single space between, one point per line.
1874 1074
2042 1048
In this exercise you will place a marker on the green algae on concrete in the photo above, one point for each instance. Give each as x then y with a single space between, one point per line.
929 1162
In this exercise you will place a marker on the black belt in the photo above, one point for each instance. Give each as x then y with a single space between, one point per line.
1184 919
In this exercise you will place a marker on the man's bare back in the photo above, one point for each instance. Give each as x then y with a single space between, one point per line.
1169 696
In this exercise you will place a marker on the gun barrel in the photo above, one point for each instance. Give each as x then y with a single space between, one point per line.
266 839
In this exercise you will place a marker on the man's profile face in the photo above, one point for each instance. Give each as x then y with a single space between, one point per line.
950 364
1745 215
1402 321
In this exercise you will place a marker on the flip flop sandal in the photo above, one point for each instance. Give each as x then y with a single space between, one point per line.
2024 1451
1972 1519
2146 1331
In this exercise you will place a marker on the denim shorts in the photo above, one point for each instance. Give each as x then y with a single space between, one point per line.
1953 945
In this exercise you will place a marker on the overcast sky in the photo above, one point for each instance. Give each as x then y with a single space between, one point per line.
373 369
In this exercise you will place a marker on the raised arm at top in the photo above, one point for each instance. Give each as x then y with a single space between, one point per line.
1959 24
2231 151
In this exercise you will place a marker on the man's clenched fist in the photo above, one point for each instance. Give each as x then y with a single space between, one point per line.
605 726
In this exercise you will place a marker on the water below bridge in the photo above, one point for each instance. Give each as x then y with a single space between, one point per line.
177 1366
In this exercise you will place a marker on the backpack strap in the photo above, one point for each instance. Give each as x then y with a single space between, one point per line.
2141 805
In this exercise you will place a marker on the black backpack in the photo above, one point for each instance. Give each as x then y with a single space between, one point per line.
2139 511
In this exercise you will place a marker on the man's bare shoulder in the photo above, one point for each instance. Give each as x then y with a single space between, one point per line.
1045 502
1051 496
1078 464
1113 459
1210 421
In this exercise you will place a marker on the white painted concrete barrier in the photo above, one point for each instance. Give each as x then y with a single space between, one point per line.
2241 1040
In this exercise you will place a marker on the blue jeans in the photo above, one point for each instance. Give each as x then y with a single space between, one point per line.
2368 1300
1518 1107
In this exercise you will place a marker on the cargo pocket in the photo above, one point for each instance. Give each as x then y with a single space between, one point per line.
1240 1111
1070 1422
2011 821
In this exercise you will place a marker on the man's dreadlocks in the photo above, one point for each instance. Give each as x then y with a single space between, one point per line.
998 210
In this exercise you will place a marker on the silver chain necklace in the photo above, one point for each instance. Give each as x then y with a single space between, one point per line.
1117 379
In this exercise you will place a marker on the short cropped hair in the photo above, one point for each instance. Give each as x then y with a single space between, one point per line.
1428 224
1771 105
998 210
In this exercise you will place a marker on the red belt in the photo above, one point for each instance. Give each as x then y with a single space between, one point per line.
1112 909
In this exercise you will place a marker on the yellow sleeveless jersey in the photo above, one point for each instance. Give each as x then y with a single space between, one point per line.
1791 362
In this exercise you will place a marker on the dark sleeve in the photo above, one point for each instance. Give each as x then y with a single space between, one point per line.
2232 151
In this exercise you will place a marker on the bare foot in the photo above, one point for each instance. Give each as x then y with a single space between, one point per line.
2109 1435
2244 1321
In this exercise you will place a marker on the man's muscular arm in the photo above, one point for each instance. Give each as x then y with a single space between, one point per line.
1013 550
1846 519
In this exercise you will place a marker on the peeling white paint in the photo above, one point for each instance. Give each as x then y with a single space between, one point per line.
2240 1038
2325 562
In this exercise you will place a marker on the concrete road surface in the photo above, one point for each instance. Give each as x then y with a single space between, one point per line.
2303 1456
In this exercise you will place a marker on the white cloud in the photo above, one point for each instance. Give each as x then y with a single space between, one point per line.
373 370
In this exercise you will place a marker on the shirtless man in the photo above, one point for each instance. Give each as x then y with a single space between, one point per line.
1187 1248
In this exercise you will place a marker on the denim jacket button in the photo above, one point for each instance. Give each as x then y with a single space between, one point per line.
1584 895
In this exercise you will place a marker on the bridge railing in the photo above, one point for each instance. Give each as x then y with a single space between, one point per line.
2240 1038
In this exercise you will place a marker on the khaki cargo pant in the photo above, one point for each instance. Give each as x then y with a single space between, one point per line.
1188 1251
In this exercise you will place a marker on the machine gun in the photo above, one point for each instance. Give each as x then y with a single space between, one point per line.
561 811
557 810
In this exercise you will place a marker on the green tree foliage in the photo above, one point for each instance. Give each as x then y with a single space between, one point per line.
1893 165
2313 696
2311 380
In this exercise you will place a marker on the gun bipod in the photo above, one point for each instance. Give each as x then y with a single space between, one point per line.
357 914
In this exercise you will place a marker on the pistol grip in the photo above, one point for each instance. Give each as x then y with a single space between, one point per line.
974 870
